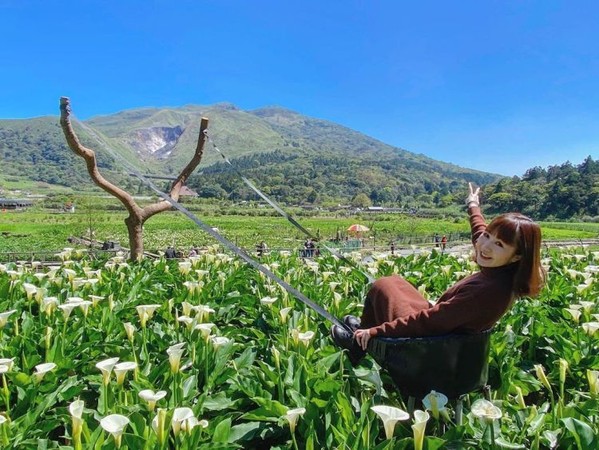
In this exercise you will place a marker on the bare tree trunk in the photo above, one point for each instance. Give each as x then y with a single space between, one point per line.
137 216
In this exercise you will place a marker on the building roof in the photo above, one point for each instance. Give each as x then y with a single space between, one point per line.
14 202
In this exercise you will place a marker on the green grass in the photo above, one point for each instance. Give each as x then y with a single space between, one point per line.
41 231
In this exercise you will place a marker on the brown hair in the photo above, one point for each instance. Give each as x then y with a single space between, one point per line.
524 234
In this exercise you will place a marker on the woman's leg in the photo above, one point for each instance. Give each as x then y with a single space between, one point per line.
390 298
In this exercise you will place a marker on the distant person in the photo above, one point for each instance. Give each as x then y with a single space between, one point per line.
443 243
508 253
193 252
436 240
393 248
309 248
170 252
261 248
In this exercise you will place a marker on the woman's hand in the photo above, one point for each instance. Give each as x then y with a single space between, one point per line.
362 336
472 199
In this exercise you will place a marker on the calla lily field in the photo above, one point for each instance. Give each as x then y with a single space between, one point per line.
207 352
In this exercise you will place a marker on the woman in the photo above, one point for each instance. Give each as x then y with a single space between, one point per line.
508 252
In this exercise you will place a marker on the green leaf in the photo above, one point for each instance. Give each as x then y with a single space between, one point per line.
582 432
222 431
244 431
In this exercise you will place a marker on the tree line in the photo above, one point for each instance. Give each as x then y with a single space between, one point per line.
558 192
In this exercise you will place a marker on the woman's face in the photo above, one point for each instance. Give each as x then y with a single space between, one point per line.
493 252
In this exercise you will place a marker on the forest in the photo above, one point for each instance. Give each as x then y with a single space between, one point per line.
558 192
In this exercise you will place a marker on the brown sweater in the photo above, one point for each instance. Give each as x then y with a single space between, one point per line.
395 308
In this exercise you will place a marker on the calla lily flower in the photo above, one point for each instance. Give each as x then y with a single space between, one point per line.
390 416
49 305
326 275
43 369
76 411
189 424
284 313
159 425
435 402
590 328
192 286
106 367
575 313
115 424
96 299
121 369
67 309
30 290
219 341
145 313
205 329
268 301
6 364
152 397
174 353
184 267
540 371
337 297
419 428
188 321
520 397
70 273
593 377
181 415
485 410
4 317
187 308
587 306
129 330
293 416
306 337
203 311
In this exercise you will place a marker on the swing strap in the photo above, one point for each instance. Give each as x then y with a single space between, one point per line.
283 213
224 241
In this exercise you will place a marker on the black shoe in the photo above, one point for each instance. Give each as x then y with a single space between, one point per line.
344 339
352 322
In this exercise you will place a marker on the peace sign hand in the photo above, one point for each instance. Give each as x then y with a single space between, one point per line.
472 199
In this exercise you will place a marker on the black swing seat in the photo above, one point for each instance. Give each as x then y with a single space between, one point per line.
453 364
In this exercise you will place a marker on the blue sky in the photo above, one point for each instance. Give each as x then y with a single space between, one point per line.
499 86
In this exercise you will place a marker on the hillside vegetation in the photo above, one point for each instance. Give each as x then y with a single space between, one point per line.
298 158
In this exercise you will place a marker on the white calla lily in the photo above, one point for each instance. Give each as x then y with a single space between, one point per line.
435 402
76 412
5 316
181 415
106 367
419 428
390 415
485 410
121 369
306 337
293 416
115 424
146 312
590 328
43 369
174 353
152 397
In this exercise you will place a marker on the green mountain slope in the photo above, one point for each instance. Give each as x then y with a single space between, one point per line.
296 157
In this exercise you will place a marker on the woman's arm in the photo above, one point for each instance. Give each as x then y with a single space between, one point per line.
477 221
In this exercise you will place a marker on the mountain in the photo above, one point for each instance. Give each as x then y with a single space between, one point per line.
298 158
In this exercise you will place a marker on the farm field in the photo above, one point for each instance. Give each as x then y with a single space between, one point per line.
209 353
48 232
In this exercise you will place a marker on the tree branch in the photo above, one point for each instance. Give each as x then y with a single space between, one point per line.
90 159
